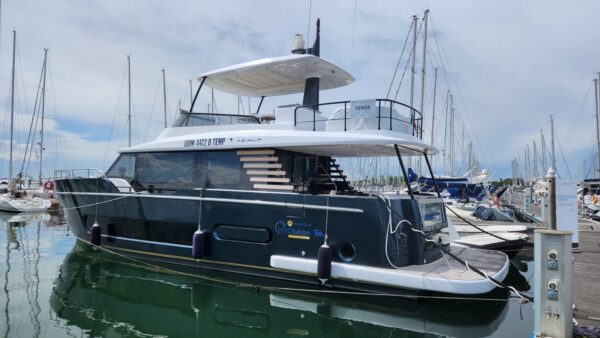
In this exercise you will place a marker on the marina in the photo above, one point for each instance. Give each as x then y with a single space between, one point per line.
50 280
334 182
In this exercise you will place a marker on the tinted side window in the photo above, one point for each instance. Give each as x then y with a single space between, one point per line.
219 169
123 167
185 170
170 171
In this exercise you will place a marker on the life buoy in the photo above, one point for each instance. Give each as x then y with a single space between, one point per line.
49 185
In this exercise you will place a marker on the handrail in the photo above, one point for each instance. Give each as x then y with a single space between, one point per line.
416 117
72 173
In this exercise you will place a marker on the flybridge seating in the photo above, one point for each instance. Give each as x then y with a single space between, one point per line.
376 114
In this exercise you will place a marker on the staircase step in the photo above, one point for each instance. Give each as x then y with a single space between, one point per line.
332 175
262 165
273 187
259 159
256 152
270 179
266 172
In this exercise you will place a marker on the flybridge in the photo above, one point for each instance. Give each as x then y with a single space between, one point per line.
302 72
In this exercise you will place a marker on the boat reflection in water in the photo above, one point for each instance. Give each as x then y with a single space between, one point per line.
106 295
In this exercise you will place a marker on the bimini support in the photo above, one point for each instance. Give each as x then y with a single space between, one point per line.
437 190
199 239
410 192
197 92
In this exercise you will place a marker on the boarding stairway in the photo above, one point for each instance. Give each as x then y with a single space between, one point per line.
264 169
331 177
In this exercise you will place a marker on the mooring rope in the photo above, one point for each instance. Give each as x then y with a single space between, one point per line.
97 203
524 298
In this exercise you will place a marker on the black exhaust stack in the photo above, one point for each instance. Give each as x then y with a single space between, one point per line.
311 86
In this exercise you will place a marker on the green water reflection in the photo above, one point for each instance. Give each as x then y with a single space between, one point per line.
53 287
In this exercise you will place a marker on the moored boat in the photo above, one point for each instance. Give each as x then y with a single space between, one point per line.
231 193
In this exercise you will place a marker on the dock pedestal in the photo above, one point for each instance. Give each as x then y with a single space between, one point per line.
553 288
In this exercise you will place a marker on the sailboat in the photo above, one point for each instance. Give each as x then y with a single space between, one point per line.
16 199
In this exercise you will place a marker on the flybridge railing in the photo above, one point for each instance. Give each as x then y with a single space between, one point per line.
376 114
79 173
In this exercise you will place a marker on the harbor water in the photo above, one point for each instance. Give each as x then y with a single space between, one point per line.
53 286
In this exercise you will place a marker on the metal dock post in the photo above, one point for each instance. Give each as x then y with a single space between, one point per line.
553 289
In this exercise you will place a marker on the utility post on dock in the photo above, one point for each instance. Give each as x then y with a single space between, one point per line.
553 295
553 275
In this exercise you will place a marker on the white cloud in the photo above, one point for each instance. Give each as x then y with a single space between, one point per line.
515 62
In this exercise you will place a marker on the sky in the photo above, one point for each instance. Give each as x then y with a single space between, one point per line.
508 64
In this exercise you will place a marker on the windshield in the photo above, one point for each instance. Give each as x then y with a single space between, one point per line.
186 119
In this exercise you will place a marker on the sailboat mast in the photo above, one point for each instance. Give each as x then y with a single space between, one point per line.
552 142
414 52
435 70
191 93
423 65
446 129
528 163
129 95
164 96
535 168
470 156
543 151
451 140
43 112
12 107
597 125
0 21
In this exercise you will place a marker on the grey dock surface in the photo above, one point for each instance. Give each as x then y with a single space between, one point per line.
586 268
586 277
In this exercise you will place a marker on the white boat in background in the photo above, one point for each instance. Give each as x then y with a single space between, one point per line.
17 200
16 196
508 239
19 204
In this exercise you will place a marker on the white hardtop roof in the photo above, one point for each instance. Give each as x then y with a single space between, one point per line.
337 144
277 76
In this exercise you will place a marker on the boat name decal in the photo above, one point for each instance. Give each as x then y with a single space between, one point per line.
296 230
246 139
204 142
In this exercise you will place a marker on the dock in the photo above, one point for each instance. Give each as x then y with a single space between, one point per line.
586 265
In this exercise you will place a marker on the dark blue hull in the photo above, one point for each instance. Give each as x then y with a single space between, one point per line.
245 228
